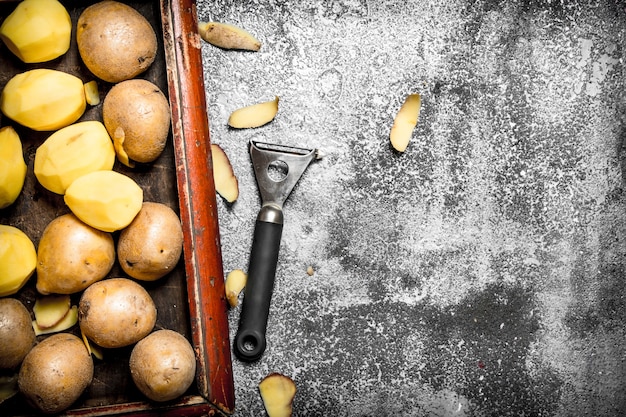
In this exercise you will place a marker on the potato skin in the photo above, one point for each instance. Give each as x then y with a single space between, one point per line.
116 312
56 372
150 247
72 255
17 336
163 365
115 41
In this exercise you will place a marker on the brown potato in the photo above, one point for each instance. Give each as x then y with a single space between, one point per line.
72 255
116 312
163 365
115 41
137 116
17 335
152 244
56 372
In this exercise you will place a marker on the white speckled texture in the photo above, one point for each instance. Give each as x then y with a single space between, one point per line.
480 273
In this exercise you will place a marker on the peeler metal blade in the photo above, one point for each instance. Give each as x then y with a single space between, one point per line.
277 169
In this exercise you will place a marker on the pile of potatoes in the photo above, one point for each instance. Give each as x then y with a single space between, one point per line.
49 352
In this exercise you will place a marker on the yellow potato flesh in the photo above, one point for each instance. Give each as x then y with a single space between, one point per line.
12 166
18 259
235 282
37 30
69 320
277 392
255 115
404 122
72 152
49 310
226 183
105 200
43 99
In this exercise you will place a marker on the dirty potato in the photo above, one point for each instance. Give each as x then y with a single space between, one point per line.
17 336
151 245
115 41
116 312
56 372
136 114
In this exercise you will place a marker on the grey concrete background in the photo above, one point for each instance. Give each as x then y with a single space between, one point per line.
480 273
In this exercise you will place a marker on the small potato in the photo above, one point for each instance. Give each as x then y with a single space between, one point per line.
17 336
72 255
116 312
115 41
151 245
163 365
56 372
136 114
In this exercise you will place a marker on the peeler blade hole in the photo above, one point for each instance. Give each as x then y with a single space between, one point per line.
278 170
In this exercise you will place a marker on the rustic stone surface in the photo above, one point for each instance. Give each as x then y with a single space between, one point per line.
480 273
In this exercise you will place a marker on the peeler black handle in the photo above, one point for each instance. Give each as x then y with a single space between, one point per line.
250 338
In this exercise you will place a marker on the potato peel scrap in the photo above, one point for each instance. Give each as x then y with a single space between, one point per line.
255 115
277 392
49 310
226 183
404 122
70 319
235 282
228 36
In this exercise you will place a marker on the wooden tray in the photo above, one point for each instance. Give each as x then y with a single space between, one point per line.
191 299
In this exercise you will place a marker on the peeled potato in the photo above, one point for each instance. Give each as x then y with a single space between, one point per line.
136 114
163 365
151 245
228 36
115 41
37 30
226 183
18 259
106 200
56 372
12 166
44 99
255 115
72 255
72 152
116 312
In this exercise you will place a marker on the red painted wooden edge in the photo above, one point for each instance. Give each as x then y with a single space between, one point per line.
198 203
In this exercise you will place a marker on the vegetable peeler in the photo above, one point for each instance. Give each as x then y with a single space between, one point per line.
277 169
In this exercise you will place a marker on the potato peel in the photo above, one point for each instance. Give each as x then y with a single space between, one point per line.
226 183
228 36
277 392
235 282
70 319
404 122
49 310
255 115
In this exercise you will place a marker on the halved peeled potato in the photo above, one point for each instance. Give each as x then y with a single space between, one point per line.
404 122
228 36
255 115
